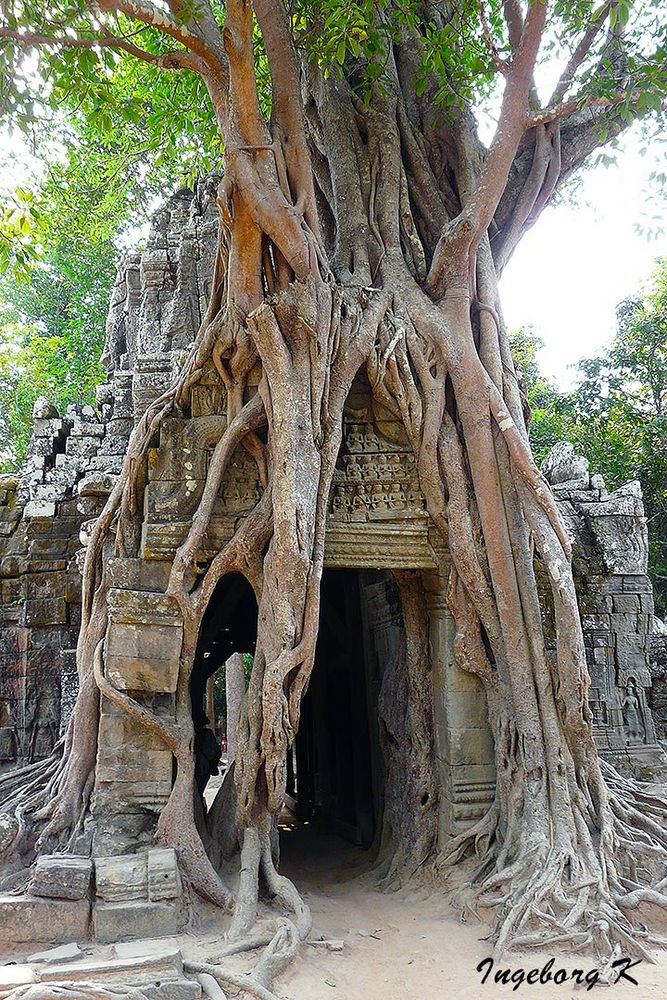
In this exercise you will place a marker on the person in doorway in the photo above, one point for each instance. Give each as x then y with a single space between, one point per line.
207 754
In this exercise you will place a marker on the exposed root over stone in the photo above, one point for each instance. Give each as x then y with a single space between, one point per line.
369 236
592 894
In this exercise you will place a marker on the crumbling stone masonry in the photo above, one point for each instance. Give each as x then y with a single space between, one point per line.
610 559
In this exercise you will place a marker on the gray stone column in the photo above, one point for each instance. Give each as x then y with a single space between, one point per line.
463 739
235 689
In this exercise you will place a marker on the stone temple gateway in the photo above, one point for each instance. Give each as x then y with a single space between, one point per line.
377 525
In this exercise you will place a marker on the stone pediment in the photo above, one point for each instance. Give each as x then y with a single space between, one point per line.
376 512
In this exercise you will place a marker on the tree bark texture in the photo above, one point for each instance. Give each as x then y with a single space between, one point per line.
369 232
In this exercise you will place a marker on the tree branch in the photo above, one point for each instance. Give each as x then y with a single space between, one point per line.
514 21
287 109
465 231
552 114
580 53
237 37
147 13
166 60
500 64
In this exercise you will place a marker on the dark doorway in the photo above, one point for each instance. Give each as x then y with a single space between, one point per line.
229 626
331 779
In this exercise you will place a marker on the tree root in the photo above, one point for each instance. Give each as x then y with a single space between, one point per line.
579 895
226 978
210 988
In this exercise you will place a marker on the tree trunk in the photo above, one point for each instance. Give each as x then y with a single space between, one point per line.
356 233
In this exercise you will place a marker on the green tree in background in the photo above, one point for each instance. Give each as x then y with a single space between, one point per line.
52 325
617 414
109 160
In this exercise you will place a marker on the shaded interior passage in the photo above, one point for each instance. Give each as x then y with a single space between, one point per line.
331 778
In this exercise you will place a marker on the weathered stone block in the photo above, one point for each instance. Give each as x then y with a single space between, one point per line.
62 876
139 574
48 426
119 427
142 607
44 585
647 604
627 603
113 446
98 484
62 953
637 584
39 509
87 428
122 878
46 611
123 921
128 765
162 967
164 880
116 830
82 447
117 731
13 565
158 642
142 674
47 548
42 446
30 920
624 623
184 989
144 657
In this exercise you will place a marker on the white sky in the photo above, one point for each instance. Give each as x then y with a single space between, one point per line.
571 270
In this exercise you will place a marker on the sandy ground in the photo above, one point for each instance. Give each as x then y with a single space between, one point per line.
396 945
405 945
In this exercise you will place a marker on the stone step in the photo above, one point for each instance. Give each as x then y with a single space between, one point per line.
34 920
62 876
147 969
120 921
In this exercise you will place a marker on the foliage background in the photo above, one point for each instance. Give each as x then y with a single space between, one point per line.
617 413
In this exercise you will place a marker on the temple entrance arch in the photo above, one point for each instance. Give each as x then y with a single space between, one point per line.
379 531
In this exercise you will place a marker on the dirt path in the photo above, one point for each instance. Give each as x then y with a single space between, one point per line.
404 945
397 946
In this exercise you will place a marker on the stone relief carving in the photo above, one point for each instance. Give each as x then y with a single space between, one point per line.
634 713
240 488
375 480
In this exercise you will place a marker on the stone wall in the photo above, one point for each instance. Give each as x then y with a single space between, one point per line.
610 556
46 509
